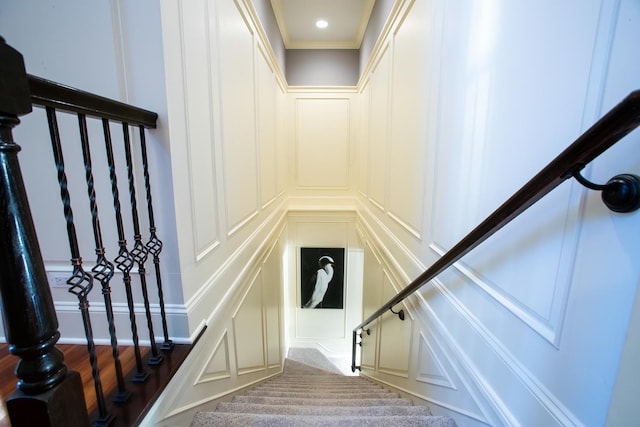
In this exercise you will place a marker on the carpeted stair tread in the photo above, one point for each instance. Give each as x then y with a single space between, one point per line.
302 387
322 402
368 411
212 419
344 381
342 390
355 395
320 379
312 393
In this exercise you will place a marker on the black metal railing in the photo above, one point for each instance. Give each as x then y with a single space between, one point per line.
57 98
621 194
30 320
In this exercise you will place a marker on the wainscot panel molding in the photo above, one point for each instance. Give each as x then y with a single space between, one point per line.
430 368
232 352
378 141
223 281
468 362
270 158
412 68
218 366
322 141
247 319
395 335
237 58
195 47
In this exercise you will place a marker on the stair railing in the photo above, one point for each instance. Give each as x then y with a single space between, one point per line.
620 194
29 316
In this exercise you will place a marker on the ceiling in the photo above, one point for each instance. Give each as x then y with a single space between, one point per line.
347 21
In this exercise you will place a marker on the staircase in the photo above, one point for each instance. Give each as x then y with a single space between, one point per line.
305 395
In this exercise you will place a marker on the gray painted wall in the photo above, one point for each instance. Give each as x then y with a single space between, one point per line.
270 25
322 67
378 18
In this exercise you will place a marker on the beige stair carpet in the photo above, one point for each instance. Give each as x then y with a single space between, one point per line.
312 392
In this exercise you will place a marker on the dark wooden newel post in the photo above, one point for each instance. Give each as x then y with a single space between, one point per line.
47 393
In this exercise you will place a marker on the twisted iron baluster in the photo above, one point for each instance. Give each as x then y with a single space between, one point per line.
124 261
103 270
154 245
139 251
80 281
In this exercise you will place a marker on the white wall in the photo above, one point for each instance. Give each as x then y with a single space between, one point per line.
322 135
113 49
226 103
463 102
242 345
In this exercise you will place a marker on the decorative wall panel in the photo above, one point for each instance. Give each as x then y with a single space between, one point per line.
479 152
395 336
238 99
248 321
199 114
322 139
378 154
430 368
281 139
363 142
410 97
270 162
272 288
371 301
217 367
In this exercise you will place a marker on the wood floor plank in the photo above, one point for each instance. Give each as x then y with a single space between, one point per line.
76 358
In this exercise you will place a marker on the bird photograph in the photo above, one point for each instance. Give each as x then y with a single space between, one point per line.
322 277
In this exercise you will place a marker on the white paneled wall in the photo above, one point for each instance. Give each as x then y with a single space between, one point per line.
237 64
322 130
241 346
199 128
322 142
228 106
377 150
227 103
270 163
465 102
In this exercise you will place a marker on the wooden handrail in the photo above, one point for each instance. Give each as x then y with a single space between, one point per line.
616 124
46 93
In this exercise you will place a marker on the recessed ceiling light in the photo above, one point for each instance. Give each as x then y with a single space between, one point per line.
321 23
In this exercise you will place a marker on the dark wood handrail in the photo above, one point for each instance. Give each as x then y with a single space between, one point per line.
46 93
616 124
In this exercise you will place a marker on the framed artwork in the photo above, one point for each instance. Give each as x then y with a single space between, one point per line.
322 277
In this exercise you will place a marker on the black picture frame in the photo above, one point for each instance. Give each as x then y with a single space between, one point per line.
311 260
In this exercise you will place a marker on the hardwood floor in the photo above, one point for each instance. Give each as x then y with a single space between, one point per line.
76 358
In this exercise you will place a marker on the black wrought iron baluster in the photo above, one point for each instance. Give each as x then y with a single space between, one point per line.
80 281
103 270
139 250
124 261
154 245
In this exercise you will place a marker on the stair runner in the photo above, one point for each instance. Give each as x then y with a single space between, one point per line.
307 396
